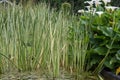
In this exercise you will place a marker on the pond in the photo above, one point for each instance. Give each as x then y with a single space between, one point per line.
38 75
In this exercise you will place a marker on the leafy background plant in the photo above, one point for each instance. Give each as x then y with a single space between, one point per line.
104 41
76 4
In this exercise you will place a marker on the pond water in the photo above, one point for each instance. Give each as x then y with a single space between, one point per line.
38 76
29 76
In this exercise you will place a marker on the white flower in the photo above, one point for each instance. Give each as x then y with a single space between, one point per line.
106 1
92 11
89 2
111 8
96 2
84 11
88 7
99 13
81 11
87 11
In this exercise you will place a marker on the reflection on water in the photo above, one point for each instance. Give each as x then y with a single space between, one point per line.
38 76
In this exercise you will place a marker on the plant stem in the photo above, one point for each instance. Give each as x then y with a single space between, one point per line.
100 65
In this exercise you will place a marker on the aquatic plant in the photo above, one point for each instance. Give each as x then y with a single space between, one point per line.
104 39
39 38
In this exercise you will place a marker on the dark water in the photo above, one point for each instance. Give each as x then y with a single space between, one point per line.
30 76
38 76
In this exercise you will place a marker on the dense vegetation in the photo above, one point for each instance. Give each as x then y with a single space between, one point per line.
76 4
37 37
55 39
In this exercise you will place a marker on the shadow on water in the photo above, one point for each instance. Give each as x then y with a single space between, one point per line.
38 75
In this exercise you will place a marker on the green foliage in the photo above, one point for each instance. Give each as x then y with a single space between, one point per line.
104 41
78 42
40 38
75 4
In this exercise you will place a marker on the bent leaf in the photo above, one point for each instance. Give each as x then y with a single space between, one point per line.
107 31
101 50
118 55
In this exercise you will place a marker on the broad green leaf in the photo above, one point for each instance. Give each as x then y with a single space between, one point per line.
107 31
84 17
109 62
104 42
101 50
117 37
113 60
118 55
95 60
115 46
94 28
113 51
